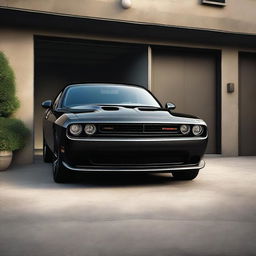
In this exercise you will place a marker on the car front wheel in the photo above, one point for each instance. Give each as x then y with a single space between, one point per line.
59 172
185 175
47 154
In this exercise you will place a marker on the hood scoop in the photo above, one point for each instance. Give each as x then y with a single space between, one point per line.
110 108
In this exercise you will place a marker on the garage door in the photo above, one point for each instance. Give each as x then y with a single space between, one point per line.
247 104
189 80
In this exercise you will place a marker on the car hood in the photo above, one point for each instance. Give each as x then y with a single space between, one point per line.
118 114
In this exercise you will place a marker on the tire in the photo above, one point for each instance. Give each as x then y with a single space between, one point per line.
47 154
185 175
59 172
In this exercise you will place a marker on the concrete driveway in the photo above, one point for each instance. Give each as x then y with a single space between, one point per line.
130 215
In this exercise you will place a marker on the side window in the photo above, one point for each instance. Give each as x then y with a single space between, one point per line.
56 102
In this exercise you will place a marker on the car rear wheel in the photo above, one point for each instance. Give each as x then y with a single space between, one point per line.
185 175
47 154
60 174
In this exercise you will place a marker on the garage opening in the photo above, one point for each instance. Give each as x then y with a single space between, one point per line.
247 104
61 61
190 79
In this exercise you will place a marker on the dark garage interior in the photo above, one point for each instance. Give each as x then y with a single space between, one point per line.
60 62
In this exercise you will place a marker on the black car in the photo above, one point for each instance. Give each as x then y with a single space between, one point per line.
124 128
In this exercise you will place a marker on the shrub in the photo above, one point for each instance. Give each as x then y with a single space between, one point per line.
8 101
13 134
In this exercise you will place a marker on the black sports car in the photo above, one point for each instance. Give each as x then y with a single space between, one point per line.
124 128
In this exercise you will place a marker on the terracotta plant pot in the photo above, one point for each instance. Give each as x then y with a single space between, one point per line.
5 159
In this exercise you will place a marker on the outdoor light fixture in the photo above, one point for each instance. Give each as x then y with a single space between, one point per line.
126 4
230 87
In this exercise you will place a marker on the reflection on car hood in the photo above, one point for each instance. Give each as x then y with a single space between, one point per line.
121 114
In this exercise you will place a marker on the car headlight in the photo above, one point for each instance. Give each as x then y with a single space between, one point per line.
197 130
90 129
75 129
185 129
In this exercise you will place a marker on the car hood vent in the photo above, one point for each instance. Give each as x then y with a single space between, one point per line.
110 108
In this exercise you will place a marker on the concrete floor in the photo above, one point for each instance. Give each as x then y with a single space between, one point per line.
130 215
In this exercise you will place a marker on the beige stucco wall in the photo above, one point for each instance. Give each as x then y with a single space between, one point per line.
18 47
236 16
230 121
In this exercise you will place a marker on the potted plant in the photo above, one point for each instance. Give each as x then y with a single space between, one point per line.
13 132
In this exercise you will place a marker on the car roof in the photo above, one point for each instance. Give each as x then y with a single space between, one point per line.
104 84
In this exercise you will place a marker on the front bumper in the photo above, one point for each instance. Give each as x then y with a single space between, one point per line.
133 154
146 169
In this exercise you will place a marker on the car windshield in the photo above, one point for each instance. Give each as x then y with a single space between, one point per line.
107 95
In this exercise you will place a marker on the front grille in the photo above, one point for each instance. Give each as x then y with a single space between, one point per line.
121 128
139 129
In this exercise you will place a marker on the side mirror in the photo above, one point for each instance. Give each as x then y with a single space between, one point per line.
170 106
47 104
